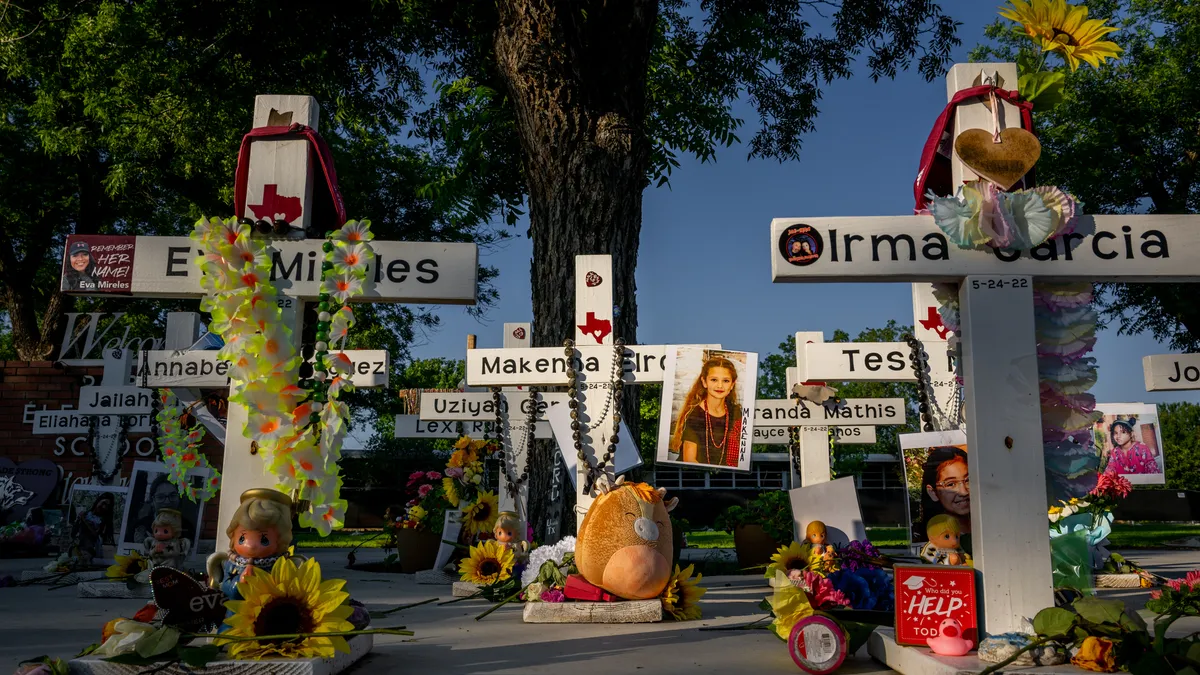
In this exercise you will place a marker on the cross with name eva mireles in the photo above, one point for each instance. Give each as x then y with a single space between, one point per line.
999 352
277 169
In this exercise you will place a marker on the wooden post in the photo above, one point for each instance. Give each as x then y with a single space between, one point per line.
1010 543
814 442
943 384
593 310
516 336
280 175
286 168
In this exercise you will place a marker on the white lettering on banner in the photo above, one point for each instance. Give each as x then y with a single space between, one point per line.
115 400
547 366
412 426
854 411
415 272
1171 372
201 369
1142 248
466 406
861 435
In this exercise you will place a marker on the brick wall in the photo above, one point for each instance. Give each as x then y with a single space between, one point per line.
51 387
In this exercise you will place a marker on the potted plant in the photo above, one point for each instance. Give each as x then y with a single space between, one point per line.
759 527
416 536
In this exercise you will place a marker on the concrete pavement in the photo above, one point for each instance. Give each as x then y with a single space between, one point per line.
448 641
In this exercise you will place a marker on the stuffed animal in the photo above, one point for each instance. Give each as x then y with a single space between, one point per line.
624 544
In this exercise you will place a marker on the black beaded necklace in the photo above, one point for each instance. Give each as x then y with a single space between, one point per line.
612 403
514 483
102 476
918 358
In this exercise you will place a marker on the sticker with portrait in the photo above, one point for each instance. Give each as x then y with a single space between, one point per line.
96 512
1129 441
151 489
935 471
95 264
708 408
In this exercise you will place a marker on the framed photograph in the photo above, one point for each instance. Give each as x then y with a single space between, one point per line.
95 264
707 414
935 471
1129 441
151 489
96 519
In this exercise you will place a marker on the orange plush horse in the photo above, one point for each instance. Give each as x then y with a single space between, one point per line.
624 544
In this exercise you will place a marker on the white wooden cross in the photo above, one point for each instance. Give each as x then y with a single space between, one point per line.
281 173
593 363
999 353
1171 372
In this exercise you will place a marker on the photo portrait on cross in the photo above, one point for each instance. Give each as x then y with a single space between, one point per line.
938 480
1129 442
79 269
151 490
98 264
710 395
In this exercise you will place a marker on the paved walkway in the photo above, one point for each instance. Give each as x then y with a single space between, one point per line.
35 621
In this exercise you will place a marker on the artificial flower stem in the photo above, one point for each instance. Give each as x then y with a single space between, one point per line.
503 602
995 667
222 638
469 597
381 614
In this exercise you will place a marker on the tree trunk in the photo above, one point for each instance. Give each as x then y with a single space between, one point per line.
576 76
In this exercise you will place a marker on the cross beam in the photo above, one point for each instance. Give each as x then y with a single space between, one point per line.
1171 372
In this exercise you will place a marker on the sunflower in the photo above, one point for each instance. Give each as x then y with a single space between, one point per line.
285 601
481 516
127 566
450 487
462 457
794 556
488 563
1058 27
682 595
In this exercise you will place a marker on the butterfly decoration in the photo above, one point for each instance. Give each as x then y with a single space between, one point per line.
187 604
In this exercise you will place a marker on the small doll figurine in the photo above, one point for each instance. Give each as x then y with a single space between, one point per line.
259 534
508 533
816 535
943 547
165 545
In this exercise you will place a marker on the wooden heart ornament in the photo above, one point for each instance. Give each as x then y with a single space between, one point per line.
1002 163
188 604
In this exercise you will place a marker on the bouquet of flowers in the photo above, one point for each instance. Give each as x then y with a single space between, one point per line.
463 485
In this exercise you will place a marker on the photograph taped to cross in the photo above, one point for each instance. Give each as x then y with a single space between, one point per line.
708 404
1129 440
938 480
98 264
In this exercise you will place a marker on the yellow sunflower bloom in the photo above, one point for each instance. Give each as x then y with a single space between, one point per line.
450 487
681 597
481 516
126 565
462 458
462 442
1058 27
285 601
794 556
488 563
789 604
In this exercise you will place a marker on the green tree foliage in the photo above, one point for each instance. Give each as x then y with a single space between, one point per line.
125 117
1181 444
848 459
1125 140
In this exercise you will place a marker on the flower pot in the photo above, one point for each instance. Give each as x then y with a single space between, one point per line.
753 545
416 550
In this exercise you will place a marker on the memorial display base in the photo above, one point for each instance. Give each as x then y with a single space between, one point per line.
114 589
464 589
51 578
360 646
920 661
625 611
435 577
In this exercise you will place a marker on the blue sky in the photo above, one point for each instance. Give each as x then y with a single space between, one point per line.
704 269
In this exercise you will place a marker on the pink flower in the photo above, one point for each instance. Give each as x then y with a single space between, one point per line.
414 477
553 595
433 475
822 594
454 472
424 489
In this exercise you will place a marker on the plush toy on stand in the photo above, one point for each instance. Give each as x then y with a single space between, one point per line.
625 545
943 547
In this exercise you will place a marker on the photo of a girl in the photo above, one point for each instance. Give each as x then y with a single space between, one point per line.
80 268
939 482
710 395
1127 438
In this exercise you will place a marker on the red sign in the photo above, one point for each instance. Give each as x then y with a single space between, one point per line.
927 595
95 264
